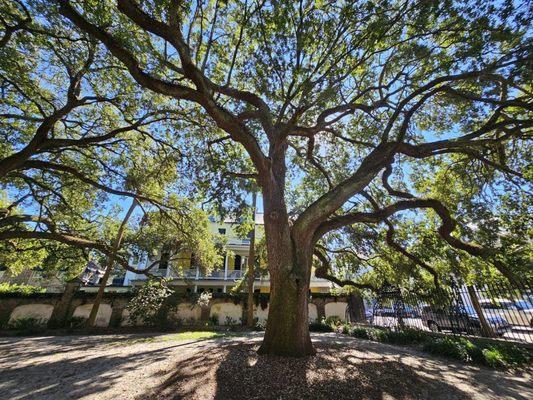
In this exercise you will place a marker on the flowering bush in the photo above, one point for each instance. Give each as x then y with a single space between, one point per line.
260 325
147 302
204 299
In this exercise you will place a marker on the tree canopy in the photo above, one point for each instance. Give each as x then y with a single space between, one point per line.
79 138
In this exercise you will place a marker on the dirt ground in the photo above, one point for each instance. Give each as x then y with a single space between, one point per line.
158 367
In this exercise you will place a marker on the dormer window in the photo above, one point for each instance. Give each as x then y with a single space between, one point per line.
222 231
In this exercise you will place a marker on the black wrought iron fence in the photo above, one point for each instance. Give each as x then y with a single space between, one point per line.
498 311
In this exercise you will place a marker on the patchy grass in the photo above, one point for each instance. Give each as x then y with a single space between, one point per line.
177 337
197 335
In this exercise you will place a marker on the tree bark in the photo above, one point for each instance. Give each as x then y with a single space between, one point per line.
287 331
251 269
356 308
110 262
486 329
289 256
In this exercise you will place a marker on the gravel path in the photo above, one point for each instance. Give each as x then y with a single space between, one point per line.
154 367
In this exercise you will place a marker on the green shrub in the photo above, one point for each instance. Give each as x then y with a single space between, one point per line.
346 328
515 355
260 325
320 327
147 301
76 322
475 353
404 337
13 288
230 321
493 357
332 320
491 354
361 333
28 325
502 355
448 347
214 319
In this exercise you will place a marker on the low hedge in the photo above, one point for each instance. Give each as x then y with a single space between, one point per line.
494 355
8 289
482 352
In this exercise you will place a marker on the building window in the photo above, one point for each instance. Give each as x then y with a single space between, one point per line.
237 265
257 290
222 231
165 257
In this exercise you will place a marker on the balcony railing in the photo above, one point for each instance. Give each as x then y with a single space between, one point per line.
238 242
230 275
194 274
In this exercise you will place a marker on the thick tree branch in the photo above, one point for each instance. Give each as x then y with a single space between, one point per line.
323 272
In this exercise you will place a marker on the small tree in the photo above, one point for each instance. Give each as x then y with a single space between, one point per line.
147 301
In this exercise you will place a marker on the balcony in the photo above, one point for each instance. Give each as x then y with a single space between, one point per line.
238 242
219 274
196 274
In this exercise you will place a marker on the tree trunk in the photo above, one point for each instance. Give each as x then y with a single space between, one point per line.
486 329
287 331
110 262
356 308
289 264
251 270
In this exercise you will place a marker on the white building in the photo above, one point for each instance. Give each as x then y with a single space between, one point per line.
189 277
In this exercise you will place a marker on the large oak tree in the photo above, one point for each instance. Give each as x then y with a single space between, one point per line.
324 104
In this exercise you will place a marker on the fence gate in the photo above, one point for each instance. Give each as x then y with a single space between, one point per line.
389 304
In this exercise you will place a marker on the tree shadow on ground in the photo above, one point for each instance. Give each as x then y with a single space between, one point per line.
83 376
23 348
235 371
344 368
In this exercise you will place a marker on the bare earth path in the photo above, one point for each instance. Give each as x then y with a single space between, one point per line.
160 367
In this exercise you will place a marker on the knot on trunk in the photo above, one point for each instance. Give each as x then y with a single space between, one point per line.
274 215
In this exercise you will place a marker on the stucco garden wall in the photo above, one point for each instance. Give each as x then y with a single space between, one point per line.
58 309
228 313
313 312
39 311
102 317
337 309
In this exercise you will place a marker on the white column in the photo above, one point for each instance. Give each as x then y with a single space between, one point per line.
224 289
195 288
225 268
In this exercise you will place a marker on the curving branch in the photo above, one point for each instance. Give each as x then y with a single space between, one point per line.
202 94
393 192
414 258
445 230
71 240
323 272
